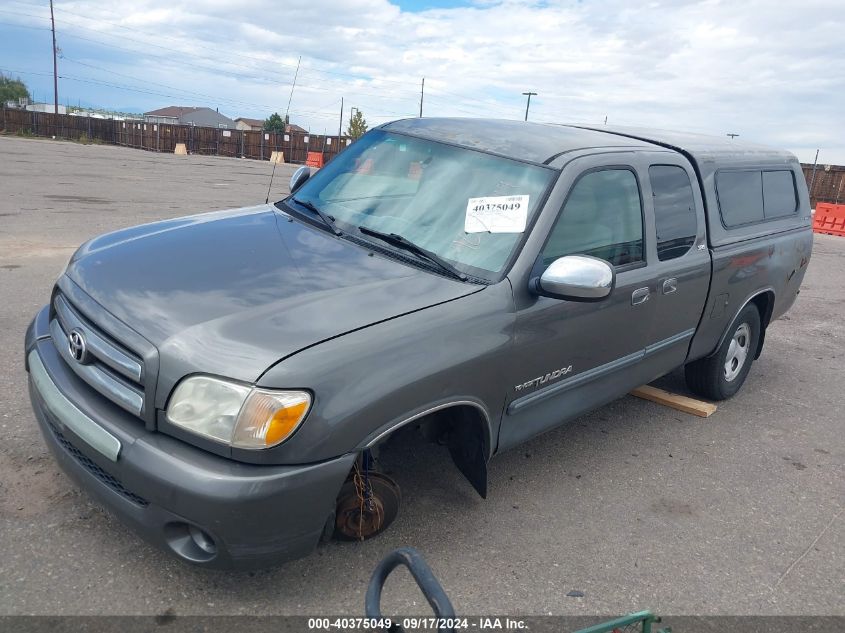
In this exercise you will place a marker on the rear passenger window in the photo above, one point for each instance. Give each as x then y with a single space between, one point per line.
602 217
674 210
779 197
740 196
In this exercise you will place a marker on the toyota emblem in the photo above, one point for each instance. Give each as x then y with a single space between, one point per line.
77 347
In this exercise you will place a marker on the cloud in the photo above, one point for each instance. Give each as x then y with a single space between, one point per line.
772 72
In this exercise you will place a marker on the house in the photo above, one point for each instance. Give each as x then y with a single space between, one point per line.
255 125
250 125
49 108
180 115
17 104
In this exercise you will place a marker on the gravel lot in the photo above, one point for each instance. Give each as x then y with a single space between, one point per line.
636 505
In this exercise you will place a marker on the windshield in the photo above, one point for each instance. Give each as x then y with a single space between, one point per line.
468 207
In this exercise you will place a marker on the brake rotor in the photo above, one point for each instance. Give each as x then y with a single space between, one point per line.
366 506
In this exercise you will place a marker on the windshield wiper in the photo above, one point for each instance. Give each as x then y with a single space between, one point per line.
401 242
325 217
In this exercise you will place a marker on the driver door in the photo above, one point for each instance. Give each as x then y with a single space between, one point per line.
571 356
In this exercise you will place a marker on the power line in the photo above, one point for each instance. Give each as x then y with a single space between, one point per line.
195 45
163 94
305 70
263 60
25 72
24 26
483 104
186 93
197 96
218 71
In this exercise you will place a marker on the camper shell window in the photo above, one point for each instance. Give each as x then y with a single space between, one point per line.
750 196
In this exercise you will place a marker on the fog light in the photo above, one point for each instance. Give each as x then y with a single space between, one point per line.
202 540
190 542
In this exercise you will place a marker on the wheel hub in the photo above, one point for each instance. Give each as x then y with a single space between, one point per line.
367 504
737 352
360 519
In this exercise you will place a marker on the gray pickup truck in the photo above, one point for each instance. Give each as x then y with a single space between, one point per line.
224 382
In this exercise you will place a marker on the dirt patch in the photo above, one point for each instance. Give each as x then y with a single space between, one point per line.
672 507
30 486
18 249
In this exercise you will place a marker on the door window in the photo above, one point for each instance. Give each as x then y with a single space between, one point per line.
602 217
674 210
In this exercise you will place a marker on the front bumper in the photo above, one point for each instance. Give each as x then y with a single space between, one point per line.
203 508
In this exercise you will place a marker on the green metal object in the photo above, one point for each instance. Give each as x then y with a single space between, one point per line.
641 621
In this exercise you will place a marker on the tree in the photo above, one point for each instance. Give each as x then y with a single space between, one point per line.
12 89
357 126
274 123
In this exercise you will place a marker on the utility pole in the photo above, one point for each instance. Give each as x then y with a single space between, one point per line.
813 177
528 105
350 115
340 123
55 64
733 136
422 94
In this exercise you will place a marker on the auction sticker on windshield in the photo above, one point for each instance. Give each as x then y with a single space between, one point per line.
496 214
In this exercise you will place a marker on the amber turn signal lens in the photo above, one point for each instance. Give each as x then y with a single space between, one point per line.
283 423
268 418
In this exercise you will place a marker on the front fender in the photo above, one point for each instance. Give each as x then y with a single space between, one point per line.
369 382
463 401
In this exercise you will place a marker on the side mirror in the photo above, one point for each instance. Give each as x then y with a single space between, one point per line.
299 177
576 278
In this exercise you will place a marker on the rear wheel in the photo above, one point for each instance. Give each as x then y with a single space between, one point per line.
721 375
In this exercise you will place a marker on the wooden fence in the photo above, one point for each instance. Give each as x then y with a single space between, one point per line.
163 137
828 185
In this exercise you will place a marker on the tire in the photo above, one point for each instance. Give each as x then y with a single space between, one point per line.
720 376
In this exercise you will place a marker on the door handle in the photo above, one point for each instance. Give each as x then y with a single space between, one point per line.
670 286
640 295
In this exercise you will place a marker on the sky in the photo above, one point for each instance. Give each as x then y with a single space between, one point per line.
772 72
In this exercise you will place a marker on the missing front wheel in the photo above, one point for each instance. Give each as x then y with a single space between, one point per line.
367 504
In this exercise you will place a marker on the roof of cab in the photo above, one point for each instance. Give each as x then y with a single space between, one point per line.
542 142
531 142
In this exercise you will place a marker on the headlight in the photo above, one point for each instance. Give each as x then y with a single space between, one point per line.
241 416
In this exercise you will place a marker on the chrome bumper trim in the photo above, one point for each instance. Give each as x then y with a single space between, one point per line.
67 414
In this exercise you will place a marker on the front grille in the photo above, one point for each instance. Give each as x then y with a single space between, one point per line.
110 480
109 366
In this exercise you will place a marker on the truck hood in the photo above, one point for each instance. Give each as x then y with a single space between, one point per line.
233 292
